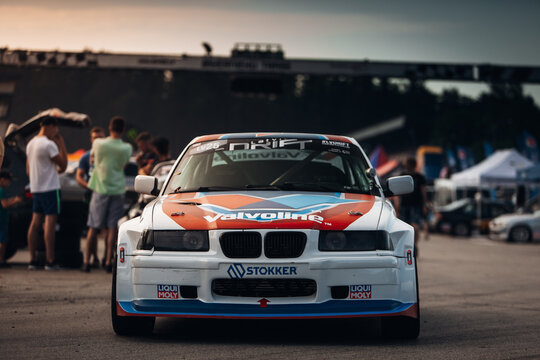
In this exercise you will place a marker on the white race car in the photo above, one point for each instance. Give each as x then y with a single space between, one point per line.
268 226
516 227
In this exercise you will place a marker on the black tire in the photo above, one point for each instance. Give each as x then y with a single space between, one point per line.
128 325
461 228
520 233
403 327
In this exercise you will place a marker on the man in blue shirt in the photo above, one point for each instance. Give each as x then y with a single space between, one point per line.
85 165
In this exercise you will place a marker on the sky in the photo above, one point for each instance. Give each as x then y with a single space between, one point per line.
483 31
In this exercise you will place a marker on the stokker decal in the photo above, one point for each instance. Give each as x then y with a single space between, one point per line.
266 209
359 292
239 271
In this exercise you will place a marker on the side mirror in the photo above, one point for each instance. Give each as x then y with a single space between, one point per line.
146 185
400 185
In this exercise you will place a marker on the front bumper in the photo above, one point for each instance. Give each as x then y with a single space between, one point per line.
500 234
391 282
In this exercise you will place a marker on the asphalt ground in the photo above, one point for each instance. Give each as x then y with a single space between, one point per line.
480 299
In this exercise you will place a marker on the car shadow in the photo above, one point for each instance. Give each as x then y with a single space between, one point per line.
338 332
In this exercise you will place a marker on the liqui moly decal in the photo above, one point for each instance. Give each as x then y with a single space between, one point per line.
167 292
359 292
265 216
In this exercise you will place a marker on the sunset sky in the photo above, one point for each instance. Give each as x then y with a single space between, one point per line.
498 32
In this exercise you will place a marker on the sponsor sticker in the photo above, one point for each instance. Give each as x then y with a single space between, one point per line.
217 145
239 271
336 143
168 292
264 216
359 292
269 144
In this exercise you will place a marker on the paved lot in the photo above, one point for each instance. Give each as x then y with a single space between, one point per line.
480 299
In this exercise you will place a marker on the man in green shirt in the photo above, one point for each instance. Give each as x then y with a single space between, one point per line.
108 184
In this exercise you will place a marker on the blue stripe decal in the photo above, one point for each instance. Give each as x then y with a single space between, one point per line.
329 308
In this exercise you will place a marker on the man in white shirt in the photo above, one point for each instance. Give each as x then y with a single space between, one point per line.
46 157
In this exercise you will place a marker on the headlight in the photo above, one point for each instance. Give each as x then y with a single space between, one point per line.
174 240
354 241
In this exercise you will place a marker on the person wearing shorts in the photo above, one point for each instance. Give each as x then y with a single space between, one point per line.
86 166
46 157
412 208
108 185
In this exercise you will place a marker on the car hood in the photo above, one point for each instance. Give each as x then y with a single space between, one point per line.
508 218
266 210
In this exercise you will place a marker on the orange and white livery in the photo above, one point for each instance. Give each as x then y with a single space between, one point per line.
268 226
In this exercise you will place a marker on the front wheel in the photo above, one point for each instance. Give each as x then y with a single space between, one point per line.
128 325
520 234
403 327
400 327
461 229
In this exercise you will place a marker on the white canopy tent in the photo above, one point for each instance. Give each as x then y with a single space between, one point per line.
498 169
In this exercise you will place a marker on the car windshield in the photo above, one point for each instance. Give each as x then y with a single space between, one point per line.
271 164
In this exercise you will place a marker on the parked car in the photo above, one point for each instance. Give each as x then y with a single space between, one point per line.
516 227
267 226
72 221
461 217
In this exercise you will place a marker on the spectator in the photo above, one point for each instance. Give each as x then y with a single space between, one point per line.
160 146
46 157
5 181
413 207
86 165
108 184
145 158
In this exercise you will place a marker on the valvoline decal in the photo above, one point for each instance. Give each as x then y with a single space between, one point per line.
266 209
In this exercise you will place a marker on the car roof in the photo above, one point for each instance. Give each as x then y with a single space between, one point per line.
262 135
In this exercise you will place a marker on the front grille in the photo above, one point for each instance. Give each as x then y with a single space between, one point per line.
241 244
264 287
288 244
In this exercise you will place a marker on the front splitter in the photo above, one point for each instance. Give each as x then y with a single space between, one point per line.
328 309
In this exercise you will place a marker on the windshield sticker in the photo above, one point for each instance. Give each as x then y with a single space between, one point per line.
269 144
250 155
336 143
217 145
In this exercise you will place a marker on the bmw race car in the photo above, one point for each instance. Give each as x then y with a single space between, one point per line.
268 226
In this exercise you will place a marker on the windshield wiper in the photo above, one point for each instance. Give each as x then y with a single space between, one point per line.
262 187
206 188
309 186
187 203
